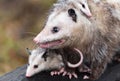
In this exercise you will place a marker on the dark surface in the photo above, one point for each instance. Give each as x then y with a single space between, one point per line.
111 74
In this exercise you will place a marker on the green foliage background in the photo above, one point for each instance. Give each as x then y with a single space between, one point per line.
20 22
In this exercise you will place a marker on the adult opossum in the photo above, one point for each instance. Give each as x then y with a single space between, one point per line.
98 37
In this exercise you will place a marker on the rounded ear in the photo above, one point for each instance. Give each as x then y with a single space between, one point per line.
29 51
72 14
45 55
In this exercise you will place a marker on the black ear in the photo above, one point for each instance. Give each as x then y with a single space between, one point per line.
29 51
45 55
72 14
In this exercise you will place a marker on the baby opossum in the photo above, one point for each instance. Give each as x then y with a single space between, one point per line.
39 61
80 4
98 37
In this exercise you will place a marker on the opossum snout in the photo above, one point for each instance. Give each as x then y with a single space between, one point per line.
27 76
45 33
36 41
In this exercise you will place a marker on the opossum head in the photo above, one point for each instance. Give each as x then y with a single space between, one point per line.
36 62
40 60
65 25
83 6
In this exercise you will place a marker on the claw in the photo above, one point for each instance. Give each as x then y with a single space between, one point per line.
75 75
70 75
58 73
62 70
86 77
55 72
52 73
64 73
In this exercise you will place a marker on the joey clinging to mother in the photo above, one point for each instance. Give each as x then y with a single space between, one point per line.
97 37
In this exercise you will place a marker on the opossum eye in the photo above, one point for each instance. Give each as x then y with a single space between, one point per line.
55 29
35 66
83 5
72 14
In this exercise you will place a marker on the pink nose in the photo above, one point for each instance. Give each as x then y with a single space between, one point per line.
35 40
27 76
90 15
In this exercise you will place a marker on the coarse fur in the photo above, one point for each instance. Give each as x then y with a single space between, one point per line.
39 61
98 37
80 4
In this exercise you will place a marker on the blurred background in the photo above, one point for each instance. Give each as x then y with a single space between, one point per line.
20 22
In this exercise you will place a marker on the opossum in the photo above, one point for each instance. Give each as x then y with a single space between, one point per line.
98 37
83 6
80 4
39 61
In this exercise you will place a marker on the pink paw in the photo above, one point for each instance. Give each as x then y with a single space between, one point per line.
64 73
54 73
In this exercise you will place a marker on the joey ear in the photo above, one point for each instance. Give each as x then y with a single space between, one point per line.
72 14
29 51
45 55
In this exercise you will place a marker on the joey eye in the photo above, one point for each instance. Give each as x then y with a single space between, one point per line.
35 66
83 5
55 30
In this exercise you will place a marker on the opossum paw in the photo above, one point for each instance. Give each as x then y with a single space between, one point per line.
54 73
85 70
70 74
64 73
57 72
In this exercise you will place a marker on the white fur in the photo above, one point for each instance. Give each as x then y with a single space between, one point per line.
53 62
85 10
35 53
96 1
61 19
66 25
113 1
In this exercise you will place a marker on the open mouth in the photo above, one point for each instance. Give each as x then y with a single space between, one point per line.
52 43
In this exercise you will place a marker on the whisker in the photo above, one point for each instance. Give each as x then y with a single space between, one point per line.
30 33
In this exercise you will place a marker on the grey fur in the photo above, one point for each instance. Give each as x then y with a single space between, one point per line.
98 37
